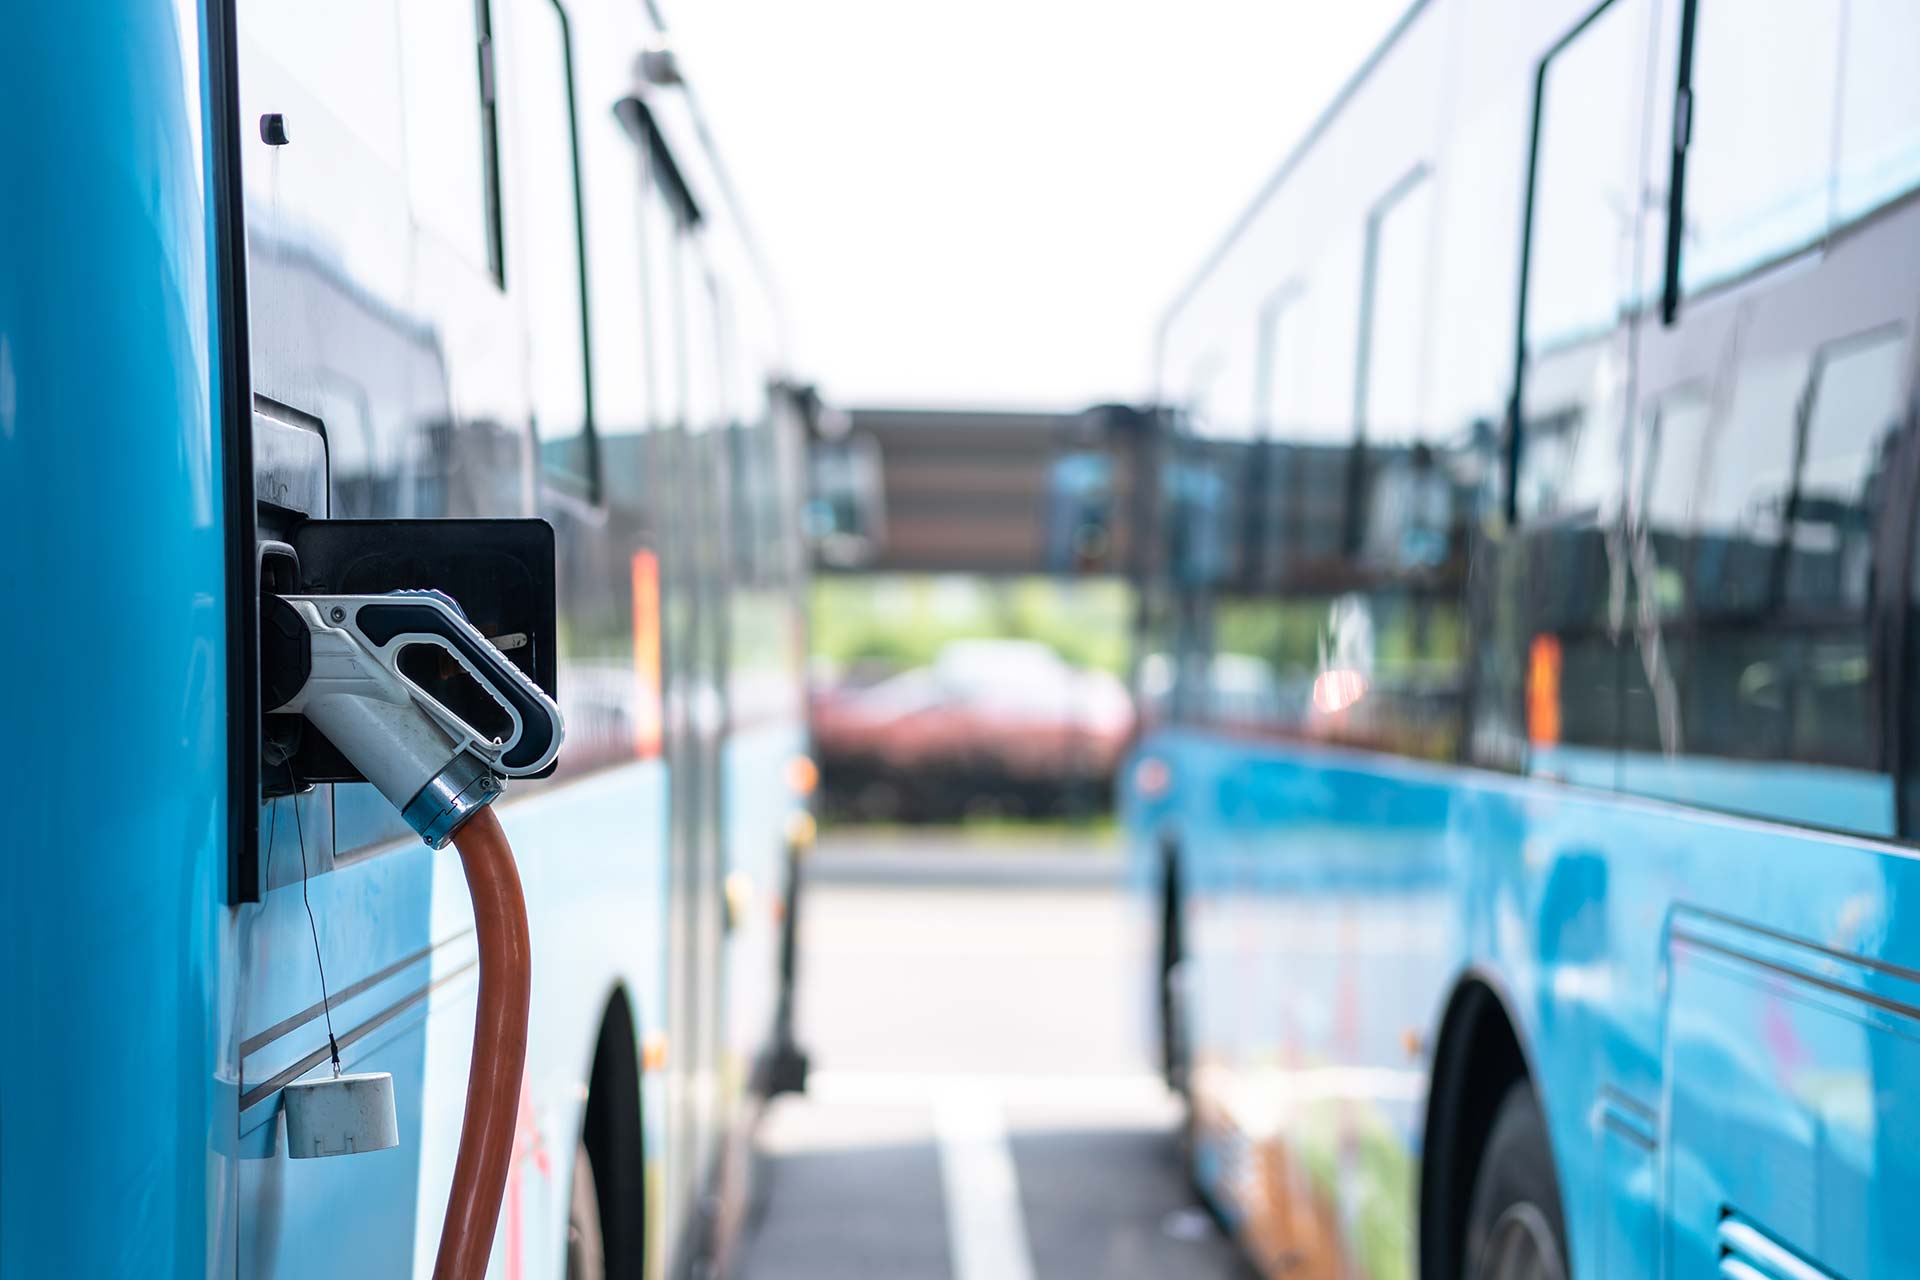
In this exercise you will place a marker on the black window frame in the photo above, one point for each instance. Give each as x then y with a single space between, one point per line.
490 142
234 404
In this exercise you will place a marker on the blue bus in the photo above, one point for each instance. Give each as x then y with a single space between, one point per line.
1527 809
399 266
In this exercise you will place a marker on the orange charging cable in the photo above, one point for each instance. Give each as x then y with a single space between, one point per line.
499 1049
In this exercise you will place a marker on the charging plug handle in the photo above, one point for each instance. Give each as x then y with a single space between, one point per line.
430 763
402 618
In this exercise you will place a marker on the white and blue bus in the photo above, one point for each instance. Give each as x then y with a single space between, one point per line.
268 266
1526 817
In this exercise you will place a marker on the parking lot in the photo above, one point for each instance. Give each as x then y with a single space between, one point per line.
981 1104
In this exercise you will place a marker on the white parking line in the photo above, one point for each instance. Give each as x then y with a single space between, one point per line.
986 1232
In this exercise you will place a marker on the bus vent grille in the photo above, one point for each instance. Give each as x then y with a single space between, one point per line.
1748 1253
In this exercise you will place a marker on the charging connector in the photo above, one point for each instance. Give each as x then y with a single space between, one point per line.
429 762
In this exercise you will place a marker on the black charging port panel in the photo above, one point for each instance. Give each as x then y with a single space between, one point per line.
500 573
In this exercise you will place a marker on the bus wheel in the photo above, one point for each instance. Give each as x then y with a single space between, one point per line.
1514 1227
586 1248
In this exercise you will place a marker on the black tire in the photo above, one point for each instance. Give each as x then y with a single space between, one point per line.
1515 1229
586 1245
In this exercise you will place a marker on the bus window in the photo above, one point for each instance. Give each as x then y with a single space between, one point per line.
1202 390
1879 106
1664 488
1763 661
1762 128
1301 517
1732 700
1080 502
548 242
1199 513
1670 463
1282 343
450 186
1745 477
660 229
1838 489
1557 637
1406 518
611 193
844 518
1393 347
1324 401
1583 184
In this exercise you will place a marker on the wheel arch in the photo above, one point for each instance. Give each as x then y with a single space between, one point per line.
1479 1052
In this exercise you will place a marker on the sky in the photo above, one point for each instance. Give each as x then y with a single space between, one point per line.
990 203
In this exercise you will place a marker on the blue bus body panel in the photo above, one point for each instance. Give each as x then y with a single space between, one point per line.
116 1082
1722 1015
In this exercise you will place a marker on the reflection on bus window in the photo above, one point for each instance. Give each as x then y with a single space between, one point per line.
1282 346
1198 515
1671 461
1879 106
1394 349
549 239
1315 636
1840 487
1745 480
446 151
1757 167
1763 651
1584 205
1411 510
611 192
845 516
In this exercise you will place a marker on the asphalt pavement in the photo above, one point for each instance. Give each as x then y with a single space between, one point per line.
982 1106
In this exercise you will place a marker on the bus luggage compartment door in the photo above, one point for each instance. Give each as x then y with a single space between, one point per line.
1791 1123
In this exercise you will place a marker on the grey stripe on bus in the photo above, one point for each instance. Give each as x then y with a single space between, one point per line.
260 1092
261 1040
1798 975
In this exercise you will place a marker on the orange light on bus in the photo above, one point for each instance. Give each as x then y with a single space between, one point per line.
653 1051
803 775
646 654
1543 690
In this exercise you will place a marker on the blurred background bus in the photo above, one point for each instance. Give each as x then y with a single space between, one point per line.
1523 815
